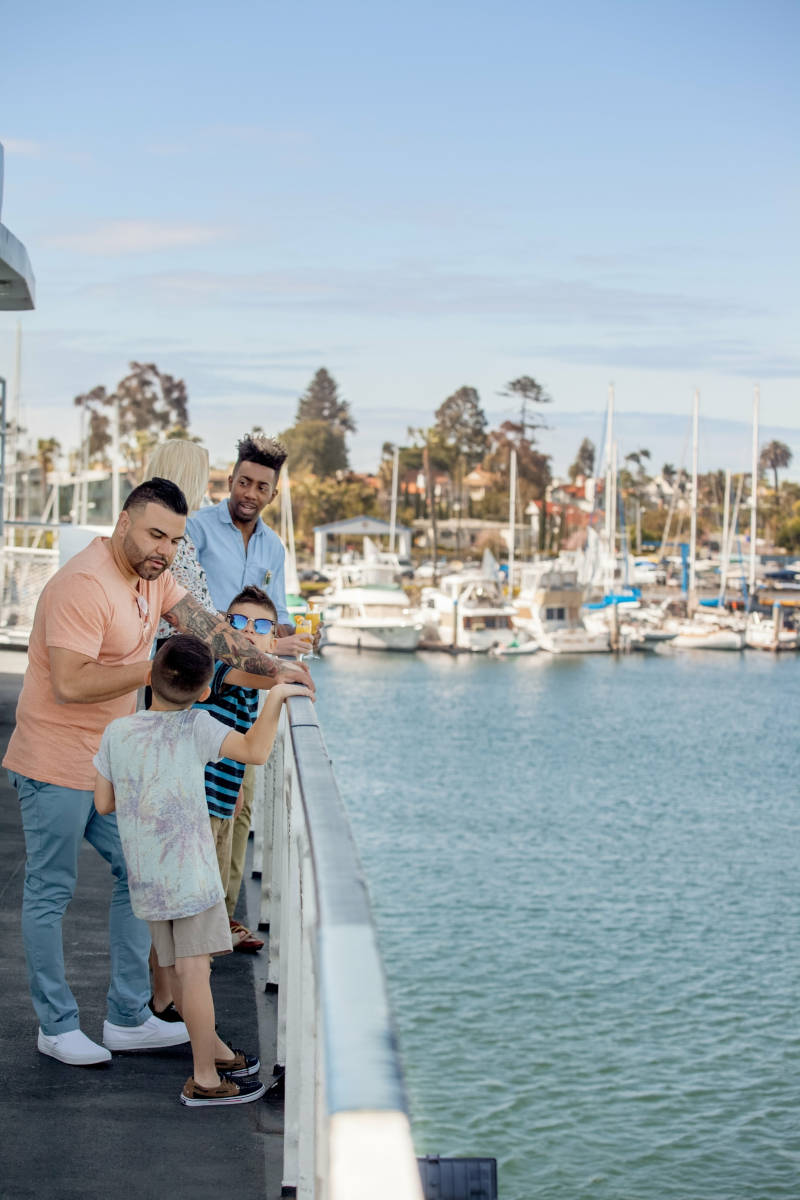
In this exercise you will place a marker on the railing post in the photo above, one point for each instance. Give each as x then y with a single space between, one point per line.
292 990
306 1173
346 1128
269 785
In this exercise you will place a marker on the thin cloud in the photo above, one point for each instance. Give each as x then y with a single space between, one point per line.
135 237
734 357
410 291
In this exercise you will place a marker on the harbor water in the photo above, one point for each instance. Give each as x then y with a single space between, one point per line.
585 877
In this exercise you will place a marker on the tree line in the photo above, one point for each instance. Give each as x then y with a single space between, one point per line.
434 461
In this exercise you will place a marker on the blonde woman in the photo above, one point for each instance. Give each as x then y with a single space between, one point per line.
185 464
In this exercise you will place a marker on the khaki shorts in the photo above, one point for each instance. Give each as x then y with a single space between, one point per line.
207 932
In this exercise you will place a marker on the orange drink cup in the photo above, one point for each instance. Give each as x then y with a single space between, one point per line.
303 626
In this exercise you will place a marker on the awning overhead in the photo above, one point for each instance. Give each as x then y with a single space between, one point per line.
17 285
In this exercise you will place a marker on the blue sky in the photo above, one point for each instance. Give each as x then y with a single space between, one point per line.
416 197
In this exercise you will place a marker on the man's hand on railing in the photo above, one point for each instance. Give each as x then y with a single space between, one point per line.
294 644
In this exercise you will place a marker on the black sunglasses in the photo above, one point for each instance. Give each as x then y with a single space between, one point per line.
260 624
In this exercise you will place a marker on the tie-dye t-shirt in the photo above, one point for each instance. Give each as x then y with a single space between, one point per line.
156 763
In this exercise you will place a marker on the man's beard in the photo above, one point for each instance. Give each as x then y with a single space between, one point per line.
145 568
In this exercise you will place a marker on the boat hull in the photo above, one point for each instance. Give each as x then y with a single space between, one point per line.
712 639
364 636
574 641
762 638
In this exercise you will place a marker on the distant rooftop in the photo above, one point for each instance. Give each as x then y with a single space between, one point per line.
17 285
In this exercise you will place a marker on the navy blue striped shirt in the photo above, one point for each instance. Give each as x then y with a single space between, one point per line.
236 707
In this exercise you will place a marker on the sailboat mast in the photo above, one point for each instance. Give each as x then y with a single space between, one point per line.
512 520
393 516
612 527
80 473
609 469
287 524
751 584
12 427
114 460
692 598
723 557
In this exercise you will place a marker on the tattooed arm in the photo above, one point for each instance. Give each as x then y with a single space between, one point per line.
226 644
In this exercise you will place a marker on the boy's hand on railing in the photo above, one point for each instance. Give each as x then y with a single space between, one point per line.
284 691
295 673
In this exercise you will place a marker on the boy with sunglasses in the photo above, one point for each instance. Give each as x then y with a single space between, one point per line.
234 702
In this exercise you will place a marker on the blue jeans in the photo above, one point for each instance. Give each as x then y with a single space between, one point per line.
55 820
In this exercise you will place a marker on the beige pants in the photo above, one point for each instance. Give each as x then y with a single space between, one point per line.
240 834
222 832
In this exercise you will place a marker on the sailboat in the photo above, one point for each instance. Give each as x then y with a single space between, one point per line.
761 632
702 631
548 607
295 601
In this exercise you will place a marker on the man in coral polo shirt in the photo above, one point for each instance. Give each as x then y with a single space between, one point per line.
88 654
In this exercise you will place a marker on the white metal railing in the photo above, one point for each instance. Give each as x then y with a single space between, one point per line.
25 567
346 1129
27 563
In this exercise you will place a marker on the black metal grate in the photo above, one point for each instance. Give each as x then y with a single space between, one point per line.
458 1178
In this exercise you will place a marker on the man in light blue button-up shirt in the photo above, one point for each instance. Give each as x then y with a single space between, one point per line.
236 549
234 546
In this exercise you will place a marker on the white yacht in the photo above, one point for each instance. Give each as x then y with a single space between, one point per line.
368 614
548 607
467 611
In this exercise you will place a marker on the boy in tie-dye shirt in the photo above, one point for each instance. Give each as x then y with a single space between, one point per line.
150 770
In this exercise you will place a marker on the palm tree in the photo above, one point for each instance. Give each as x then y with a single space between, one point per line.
46 451
774 457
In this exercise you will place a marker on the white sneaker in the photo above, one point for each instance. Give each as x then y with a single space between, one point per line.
74 1048
153 1034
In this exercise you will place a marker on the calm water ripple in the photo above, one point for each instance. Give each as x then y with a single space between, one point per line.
584 873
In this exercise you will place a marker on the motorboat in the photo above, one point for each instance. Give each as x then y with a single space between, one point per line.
369 616
523 646
645 627
548 608
467 611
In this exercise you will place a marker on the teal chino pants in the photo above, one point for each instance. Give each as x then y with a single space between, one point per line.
55 821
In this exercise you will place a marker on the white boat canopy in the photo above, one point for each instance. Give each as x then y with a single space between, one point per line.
358 527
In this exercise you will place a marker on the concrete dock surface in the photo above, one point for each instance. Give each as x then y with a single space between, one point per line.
118 1130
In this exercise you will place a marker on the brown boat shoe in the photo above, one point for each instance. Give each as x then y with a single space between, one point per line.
227 1091
244 939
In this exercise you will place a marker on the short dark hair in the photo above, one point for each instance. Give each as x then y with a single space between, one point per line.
254 595
158 491
257 448
182 669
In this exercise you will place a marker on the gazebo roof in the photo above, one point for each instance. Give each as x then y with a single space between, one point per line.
368 526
